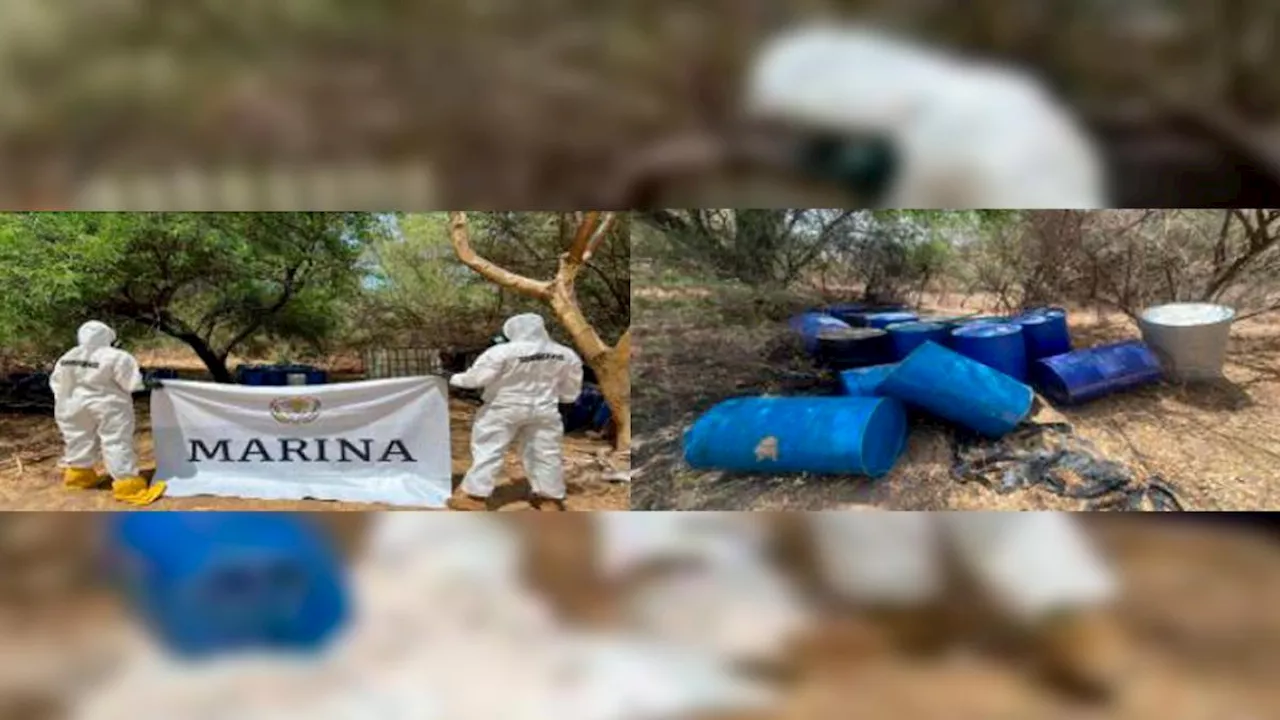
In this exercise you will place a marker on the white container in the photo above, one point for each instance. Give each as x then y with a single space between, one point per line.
1189 338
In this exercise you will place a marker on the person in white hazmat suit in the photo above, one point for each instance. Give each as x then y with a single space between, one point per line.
904 124
1037 570
523 380
93 386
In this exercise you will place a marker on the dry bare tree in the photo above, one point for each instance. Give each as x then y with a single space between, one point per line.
612 365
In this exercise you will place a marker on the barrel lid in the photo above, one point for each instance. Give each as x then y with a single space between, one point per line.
1033 319
916 327
1045 312
849 333
987 329
904 316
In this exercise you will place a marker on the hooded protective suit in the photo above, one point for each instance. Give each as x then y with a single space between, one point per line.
965 134
1031 564
523 382
92 388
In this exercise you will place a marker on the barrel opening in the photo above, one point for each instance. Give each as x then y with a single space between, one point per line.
884 438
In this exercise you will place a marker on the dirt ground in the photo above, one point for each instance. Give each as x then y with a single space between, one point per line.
1216 444
1198 611
30 480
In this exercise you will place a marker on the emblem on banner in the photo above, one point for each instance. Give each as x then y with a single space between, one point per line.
295 410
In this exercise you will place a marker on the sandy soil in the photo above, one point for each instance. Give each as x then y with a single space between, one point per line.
1198 611
1217 444
29 479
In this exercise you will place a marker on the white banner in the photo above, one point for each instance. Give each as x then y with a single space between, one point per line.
381 441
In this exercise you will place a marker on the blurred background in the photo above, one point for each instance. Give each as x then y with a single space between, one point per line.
324 104
1198 608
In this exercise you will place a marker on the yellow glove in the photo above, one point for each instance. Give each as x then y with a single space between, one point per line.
81 478
134 491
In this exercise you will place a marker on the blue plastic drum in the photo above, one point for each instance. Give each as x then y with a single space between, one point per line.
1045 333
980 320
851 313
865 381
956 388
809 325
212 582
1085 375
996 345
822 435
885 319
910 335
842 349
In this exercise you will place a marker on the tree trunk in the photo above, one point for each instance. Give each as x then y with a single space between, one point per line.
611 365
217 364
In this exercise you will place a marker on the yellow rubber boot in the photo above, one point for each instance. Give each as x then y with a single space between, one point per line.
80 479
134 491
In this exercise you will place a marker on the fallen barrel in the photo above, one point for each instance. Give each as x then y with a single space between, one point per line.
1045 333
1189 338
808 325
885 319
865 381
959 389
824 435
996 345
908 336
1084 375
213 582
843 348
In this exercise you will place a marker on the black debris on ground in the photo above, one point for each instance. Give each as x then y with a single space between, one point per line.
1053 456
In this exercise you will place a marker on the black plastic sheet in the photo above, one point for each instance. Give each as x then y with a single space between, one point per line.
1053 456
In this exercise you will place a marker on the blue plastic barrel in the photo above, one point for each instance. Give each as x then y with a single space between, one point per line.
842 349
600 420
856 314
997 345
251 375
851 313
581 413
959 389
980 320
1045 332
824 435
885 319
865 381
908 336
1084 375
211 582
809 325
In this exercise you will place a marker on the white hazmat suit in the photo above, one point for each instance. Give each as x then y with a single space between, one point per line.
93 386
524 381
966 134
1034 566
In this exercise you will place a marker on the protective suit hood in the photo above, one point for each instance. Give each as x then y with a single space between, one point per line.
528 327
95 334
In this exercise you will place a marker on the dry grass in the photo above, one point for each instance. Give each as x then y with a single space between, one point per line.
29 479
1218 445
1198 610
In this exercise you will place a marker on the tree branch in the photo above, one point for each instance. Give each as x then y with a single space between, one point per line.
461 240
